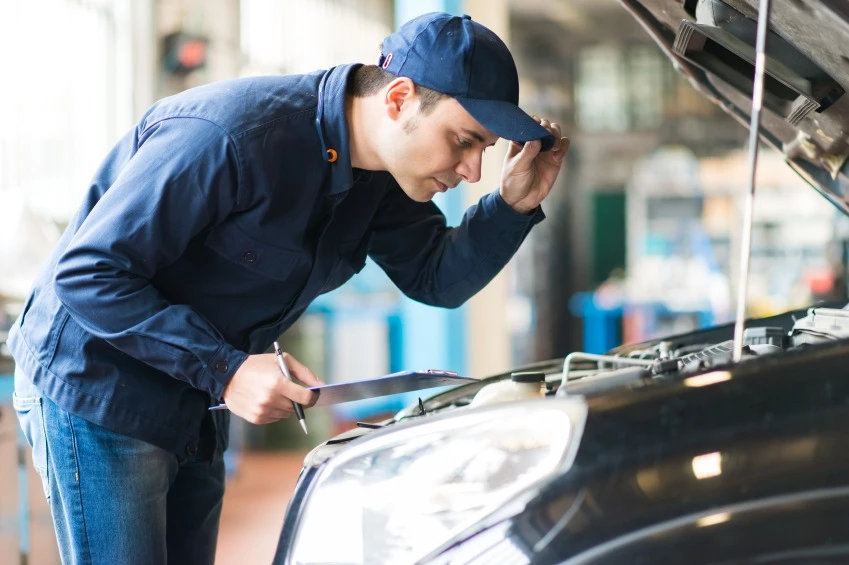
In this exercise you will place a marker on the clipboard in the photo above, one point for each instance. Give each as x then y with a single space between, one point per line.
394 383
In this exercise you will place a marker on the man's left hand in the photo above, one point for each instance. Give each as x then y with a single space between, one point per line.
528 175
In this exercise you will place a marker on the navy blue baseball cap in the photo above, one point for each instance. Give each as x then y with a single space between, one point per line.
463 59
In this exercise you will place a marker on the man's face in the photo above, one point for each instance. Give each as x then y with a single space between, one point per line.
433 152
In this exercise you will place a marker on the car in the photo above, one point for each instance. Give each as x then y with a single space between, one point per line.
722 445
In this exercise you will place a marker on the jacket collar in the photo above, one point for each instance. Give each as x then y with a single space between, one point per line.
332 127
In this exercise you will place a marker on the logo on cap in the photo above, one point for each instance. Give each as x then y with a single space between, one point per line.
386 61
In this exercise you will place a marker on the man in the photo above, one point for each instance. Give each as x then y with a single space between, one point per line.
208 230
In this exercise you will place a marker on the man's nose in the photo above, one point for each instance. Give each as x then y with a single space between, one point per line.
470 167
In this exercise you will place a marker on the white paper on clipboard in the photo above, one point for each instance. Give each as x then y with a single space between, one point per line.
394 383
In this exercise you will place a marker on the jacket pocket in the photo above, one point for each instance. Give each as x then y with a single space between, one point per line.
42 323
31 418
231 243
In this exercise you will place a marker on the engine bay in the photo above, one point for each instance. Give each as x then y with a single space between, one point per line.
635 365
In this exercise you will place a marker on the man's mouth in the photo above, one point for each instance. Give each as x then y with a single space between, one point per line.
441 187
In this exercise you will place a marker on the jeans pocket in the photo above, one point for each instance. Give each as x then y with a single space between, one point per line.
31 418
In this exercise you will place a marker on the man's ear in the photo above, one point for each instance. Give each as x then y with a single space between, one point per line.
399 95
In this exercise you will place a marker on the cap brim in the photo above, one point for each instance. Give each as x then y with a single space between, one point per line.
507 120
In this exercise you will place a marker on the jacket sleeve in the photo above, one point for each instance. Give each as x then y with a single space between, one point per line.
442 266
183 178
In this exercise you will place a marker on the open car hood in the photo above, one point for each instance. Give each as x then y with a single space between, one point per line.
806 107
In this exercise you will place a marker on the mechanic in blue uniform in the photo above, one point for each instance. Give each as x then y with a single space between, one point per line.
206 232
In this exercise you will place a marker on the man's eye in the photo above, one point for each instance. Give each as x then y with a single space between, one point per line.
463 142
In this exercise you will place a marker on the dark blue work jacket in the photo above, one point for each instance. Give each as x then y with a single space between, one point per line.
207 231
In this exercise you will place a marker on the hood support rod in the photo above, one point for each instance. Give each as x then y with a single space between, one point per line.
748 212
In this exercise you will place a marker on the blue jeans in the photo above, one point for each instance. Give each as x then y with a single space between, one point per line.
115 499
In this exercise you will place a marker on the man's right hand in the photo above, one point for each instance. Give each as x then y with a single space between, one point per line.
259 393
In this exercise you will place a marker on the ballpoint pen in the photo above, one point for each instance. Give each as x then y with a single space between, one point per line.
299 412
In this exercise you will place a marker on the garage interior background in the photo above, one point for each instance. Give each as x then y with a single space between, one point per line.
641 232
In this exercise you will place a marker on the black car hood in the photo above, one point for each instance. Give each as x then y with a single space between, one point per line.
806 106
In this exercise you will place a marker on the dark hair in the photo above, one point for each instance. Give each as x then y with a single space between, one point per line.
369 79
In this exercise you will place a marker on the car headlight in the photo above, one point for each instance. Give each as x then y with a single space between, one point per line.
406 490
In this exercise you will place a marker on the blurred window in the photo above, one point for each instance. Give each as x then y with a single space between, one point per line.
292 36
601 90
620 89
67 97
647 81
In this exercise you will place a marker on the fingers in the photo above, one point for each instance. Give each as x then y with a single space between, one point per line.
293 392
553 128
561 143
276 404
524 154
301 371
265 413
514 149
561 149
270 416
259 393
315 396
303 374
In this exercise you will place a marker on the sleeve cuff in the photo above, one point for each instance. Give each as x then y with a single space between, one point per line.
501 208
221 368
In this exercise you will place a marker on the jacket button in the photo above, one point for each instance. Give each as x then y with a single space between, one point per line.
222 366
191 448
249 256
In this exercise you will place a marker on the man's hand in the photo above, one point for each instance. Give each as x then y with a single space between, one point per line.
528 175
259 393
